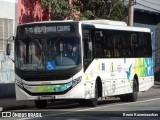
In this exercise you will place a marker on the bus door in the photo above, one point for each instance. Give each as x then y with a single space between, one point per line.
89 69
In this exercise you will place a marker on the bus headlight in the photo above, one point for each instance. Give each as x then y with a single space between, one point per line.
19 83
76 81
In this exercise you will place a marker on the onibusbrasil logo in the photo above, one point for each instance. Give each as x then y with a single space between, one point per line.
21 115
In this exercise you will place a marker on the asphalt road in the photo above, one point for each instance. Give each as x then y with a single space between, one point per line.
147 107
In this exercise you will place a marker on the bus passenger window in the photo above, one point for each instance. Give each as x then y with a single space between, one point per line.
107 53
87 51
134 44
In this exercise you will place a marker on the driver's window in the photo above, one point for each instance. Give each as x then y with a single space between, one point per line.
31 52
21 50
34 54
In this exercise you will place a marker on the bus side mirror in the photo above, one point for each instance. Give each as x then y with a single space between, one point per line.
8 49
8 46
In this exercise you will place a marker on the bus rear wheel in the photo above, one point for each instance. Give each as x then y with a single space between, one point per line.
131 97
40 104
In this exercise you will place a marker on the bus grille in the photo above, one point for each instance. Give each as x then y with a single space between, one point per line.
47 78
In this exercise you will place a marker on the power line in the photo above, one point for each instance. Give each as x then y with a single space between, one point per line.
148 7
151 3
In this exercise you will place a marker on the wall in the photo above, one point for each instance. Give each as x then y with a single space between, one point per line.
18 11
157 48
8 10
146 17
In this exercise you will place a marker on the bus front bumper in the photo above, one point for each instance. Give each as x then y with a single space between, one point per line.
76 92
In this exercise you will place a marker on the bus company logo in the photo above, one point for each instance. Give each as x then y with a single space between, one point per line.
103 66
6 114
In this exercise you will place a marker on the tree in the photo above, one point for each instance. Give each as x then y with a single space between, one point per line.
58 9
86 9
103 9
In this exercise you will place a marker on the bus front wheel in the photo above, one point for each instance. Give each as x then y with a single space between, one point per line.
40 104
93 102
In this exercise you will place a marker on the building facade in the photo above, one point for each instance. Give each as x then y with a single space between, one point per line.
8 22
14 12
147 14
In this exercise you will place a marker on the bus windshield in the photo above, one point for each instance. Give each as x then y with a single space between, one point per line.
47 52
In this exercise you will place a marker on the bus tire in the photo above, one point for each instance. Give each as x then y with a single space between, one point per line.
40 104
132 97
123 98
82 102
94 101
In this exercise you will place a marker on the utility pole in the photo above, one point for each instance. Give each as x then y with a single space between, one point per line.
131 13
49 12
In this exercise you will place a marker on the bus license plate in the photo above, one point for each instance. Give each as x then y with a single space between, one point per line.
47 97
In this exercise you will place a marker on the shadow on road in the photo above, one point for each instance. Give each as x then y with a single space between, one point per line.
157 76
75 104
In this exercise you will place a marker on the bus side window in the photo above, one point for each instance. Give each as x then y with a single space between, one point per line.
126 45
87 51
99 41
107 53
134 44
148 45
142 45
124 50
117 45
87 45
107 44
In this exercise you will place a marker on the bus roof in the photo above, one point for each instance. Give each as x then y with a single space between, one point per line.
125 28
105 22
41 22
99 24
113 25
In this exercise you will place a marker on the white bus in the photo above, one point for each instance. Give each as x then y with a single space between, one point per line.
85 60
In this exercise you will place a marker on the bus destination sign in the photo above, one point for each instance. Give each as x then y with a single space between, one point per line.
47 29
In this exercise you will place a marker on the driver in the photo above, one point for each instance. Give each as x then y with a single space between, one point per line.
73 53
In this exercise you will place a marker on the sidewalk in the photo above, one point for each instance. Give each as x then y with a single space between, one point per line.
11 103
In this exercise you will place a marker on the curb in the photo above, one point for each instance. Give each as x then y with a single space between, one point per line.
15 107
156 83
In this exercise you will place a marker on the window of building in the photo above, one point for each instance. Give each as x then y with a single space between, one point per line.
6 30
